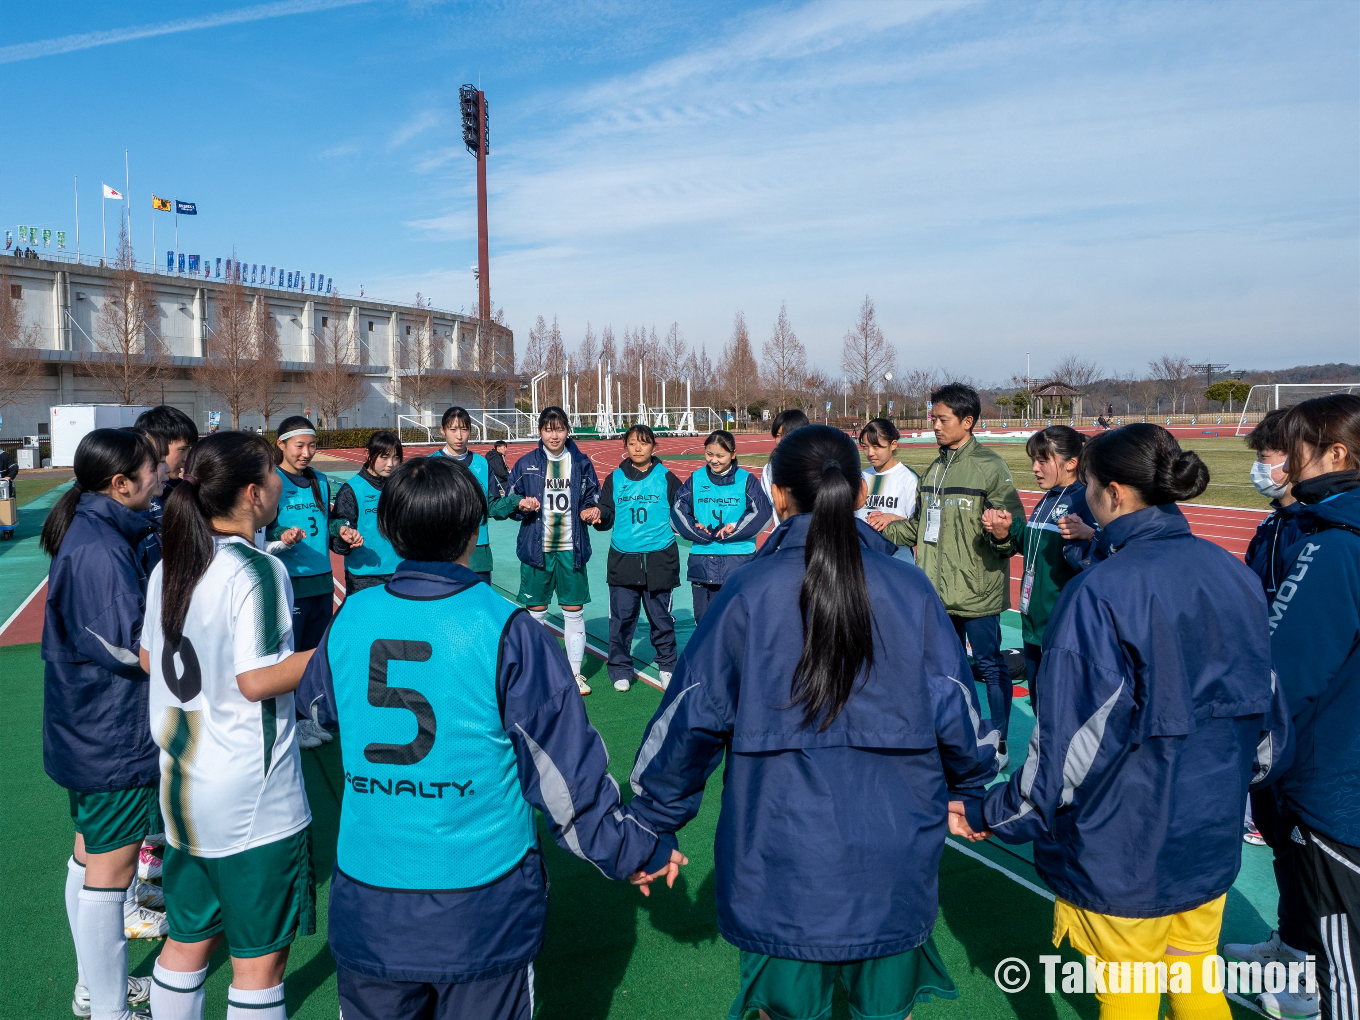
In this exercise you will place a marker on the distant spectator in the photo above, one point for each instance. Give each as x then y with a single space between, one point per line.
496 460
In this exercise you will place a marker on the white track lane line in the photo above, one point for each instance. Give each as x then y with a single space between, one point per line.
595 651
15 615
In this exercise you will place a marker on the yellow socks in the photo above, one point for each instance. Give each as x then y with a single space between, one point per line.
1196 1004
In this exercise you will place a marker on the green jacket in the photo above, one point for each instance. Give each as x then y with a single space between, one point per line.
967 565
1053 561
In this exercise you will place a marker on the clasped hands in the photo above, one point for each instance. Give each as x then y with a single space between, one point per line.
958 824
671 871
529 504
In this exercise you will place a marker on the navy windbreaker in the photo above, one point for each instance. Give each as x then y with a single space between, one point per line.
1160 708
1275 537
563 767
1315 640
708 568
828 843
526 479
96 716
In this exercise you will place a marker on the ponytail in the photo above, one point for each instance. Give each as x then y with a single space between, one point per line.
101 455
218 469
818 467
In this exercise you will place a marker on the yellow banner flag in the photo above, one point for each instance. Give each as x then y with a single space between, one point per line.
163 204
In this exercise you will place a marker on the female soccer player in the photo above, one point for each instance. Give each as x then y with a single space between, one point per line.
892 485
721 508
784 423
439 899
218 646
456 426
644 558
556 486
841 752
1057 541
304 528
369 558
1159 710
96 738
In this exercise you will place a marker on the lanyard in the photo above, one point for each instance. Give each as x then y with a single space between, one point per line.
1032 553
939 480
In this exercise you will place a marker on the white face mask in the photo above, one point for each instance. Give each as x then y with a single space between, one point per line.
1265 485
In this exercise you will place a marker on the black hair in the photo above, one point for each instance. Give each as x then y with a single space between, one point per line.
724 439
217 470
383 443
879 432
1146 458
960 398
1060 441
551 414
290 424
456 416
156 439
786 421
499 443
1267 435
101 455
430 509
1314 425
818 467
170 422
641 431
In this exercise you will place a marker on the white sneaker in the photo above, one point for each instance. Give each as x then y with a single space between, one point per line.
1285 1006
148 895
664 676
310 735
139 991
149 864
1003 757
581 685
1272 950
622 684
144 923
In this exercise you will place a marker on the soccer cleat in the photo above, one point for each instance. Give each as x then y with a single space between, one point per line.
1252 835
139 991
148 895
310 735
622 684
664 675
156 839
144 923
1290 1006
148 864
1272 950
1003 757
581 685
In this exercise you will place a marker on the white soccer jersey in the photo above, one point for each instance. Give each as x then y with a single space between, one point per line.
557 522
892 492
231 771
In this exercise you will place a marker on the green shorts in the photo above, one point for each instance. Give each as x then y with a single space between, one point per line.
482 561
115 819
536 587
261 899
883 989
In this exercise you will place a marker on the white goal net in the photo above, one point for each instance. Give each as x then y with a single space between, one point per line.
1270 396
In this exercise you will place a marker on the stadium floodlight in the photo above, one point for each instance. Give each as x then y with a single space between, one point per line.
475 121
477 138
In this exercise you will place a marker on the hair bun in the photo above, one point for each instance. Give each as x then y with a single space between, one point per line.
1181 475
189 479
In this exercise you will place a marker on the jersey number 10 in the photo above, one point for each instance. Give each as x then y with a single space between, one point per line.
557 502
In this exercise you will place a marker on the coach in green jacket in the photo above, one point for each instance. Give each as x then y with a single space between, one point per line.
965 562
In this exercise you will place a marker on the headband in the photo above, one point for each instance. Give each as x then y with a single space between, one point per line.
296 432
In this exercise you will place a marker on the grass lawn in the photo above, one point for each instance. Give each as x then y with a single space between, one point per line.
32 484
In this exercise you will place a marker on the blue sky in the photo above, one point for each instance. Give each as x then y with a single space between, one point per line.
1121 179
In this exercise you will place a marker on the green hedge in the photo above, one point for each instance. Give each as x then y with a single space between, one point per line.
352 439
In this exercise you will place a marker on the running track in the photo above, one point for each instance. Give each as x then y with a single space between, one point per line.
1229 527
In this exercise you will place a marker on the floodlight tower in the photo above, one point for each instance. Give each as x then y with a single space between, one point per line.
472 100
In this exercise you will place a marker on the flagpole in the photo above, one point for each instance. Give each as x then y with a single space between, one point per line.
155 264
127 195
104 222
176 201
77 191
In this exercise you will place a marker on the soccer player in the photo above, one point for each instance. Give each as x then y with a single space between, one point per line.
1159 711
721 508
369 558
304 527
456 426
784 423
180 434
1057 542
218 646
644 558
96 736
829 840
892 485
556 486
438 903
1267 553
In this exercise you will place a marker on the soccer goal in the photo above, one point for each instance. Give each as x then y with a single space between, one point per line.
1269 396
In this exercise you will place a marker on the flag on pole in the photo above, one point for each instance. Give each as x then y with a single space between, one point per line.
110 193
23 233
32 235
169 262
47 237
61 240
193 264
186 208
163 204
9 239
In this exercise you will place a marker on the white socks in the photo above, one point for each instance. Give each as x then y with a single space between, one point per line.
539 614
101 947
257 1004
177 995
575 634
75 880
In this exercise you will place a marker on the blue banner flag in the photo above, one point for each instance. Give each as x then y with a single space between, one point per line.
219 269
169 262
193 264
828 407
181 262
313 281
329 281
271 275
186 208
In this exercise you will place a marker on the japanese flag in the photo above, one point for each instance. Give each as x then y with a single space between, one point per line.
110 193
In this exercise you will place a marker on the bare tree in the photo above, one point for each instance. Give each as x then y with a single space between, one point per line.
335 380
1075 371
865 355
671 354
916 385
128 358
608 349
493 359
536 350
420 358
740 374
630 358
699 372
229 365
817 389
20 345
268 394
554 351
785 366
587 357
1175 375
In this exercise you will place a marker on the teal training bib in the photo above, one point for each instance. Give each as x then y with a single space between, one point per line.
376 555
642 515
432 798
481 471
717 505
298 509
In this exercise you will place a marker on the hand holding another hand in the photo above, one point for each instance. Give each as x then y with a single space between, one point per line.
1073 528
671 871
998 522
958 823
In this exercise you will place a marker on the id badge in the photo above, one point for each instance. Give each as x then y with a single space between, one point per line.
932 534
1026 586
